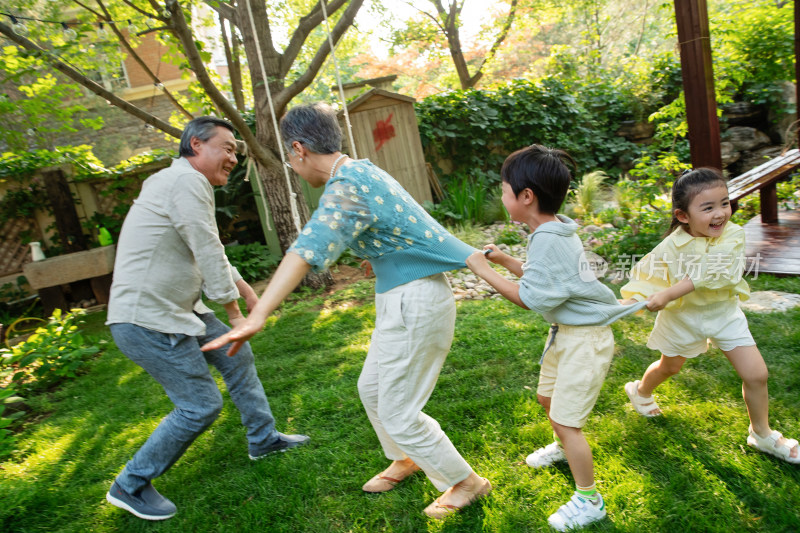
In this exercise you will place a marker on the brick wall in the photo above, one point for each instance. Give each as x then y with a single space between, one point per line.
151 52
124 135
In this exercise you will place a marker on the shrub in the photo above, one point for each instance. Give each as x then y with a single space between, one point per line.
56 351
253 261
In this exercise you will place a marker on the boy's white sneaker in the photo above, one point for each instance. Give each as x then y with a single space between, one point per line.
577 512
552 453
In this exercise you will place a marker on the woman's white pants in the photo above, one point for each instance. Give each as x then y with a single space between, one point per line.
413 332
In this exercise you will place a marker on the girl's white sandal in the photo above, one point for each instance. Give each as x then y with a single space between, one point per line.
770 445
643 406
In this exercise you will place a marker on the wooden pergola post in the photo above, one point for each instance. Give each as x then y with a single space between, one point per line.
797 64
698 83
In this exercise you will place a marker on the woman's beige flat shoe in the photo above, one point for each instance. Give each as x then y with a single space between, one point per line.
382 483
439 510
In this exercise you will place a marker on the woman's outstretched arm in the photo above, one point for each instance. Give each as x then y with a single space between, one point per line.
288 275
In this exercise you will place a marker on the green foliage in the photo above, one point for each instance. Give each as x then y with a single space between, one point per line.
41 108
25 194
586 196
477 129
465 201
753 50
21 165
253 261
55 352
510 234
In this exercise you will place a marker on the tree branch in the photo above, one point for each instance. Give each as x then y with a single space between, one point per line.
97 89
142 11
140 62
224 10
500 38
234 68
321 55
304 28
184 34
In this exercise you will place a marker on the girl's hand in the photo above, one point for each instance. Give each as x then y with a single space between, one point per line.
658 301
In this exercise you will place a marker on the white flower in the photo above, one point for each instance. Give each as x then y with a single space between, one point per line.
375 176
338 192
398 248
379 200
337 215
359 169
441 239
397 231
333 225
352 189
330 205
358 224
409 242
394 192
354 198
361 244
398 208
331 247
374 230
323 218
428 234
364 188
362 213
376 243
306 231
327 263
309 255
413 219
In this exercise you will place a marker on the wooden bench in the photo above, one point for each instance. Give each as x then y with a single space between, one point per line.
764 178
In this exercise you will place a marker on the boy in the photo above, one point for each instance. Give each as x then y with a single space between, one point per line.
557 282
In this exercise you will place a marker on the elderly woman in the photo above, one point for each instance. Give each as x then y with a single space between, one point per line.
363 208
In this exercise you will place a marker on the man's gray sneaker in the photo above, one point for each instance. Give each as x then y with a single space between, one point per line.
147 503
284 442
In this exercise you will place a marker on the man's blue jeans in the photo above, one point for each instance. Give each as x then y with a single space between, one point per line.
176 362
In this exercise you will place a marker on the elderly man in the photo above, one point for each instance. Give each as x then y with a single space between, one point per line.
168 252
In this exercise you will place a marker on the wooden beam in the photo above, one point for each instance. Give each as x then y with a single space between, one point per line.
797 64
698 82
68 224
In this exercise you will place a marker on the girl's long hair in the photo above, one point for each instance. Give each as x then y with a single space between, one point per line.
688 186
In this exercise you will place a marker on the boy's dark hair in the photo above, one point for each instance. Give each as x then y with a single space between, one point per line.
542 170
690 184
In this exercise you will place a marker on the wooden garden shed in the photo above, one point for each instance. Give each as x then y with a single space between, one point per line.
385 132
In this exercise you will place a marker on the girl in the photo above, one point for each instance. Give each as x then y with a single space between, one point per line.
694 280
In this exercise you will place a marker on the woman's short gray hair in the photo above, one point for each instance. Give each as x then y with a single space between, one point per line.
315 126
203 128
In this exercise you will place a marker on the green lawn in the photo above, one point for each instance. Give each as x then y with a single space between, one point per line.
687 471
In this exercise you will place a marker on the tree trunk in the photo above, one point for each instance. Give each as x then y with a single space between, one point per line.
273 183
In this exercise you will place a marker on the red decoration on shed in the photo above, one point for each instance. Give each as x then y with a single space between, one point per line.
383 131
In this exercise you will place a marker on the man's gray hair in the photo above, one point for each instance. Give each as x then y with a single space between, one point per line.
203 128
315 126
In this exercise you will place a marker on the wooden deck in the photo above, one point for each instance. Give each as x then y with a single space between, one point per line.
774 248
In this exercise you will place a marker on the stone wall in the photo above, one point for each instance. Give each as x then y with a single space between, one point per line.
750 134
